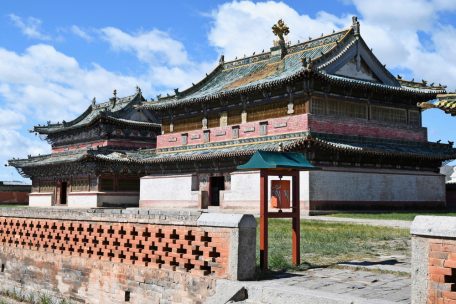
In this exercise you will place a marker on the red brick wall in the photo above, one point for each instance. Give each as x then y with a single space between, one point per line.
442 271
356 127
201 251
282 125
300 123
14 197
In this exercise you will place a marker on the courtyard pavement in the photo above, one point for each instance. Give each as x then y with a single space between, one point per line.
321 285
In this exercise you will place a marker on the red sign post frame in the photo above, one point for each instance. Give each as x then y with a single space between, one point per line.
265 214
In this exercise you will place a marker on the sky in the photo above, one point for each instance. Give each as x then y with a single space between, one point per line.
56 56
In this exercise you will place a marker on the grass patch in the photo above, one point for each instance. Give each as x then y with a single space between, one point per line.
403 216
325 244
13 206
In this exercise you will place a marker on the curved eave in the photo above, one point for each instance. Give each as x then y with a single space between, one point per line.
25 163
102 117
54 128
343 81
293 146
376 153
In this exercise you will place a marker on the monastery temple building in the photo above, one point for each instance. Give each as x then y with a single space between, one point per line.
329 98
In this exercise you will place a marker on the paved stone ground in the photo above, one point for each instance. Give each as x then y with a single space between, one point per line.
324 285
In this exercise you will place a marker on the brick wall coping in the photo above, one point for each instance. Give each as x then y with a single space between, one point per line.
226 220
435 226
136 215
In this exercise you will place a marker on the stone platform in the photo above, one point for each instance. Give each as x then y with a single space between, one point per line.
322 285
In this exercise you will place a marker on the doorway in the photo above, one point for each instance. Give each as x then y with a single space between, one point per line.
63 193
217 183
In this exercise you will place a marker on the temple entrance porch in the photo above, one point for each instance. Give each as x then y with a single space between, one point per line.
216 184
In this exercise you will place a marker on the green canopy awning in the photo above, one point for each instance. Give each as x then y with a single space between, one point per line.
277 160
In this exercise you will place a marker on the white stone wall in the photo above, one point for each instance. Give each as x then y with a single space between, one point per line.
79 200
245 190
40 199
168 191
376 186
98 199
329 185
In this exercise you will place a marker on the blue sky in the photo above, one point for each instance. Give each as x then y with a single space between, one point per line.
55 56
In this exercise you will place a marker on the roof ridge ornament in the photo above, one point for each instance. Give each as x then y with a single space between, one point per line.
138 90
280 29
114 98
355 26
94 102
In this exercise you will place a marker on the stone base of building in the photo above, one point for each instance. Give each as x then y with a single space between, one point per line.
328 190
87 199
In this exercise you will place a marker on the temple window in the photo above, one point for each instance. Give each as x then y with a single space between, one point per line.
213 121
244 117
386 114
263 128
267 111
207 135
223 119
204 123
80 184
182 125
235 132
299 106
234 117
47 186
318 106
346 109
414 117
184 138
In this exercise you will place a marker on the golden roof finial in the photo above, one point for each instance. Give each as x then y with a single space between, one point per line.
280 30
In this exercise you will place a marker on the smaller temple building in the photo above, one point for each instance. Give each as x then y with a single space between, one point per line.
76 173
14 192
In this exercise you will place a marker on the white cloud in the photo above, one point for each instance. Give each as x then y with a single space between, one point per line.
30 27
395 37
169 65
244 27
150 47
81 33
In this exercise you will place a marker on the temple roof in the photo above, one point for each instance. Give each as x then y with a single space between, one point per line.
247 147
341 57
115 111
445 102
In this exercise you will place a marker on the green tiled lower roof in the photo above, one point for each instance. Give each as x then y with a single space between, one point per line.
239 148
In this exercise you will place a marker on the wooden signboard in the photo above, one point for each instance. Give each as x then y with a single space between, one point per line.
280 194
